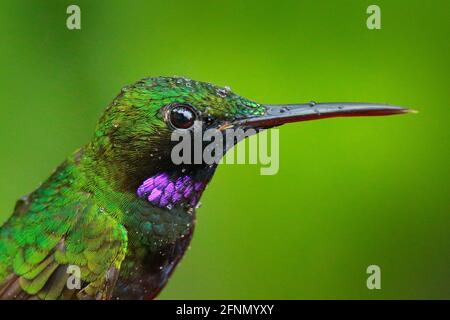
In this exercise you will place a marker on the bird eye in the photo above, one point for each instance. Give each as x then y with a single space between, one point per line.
182 116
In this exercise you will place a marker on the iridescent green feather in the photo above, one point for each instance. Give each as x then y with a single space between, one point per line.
67 229
78 216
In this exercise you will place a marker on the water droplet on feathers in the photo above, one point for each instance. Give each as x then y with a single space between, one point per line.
222 92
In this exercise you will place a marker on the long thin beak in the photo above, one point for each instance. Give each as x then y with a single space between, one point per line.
276 115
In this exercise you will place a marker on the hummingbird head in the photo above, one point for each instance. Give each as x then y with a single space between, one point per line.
134 137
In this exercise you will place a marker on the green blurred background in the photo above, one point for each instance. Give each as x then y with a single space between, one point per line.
349 192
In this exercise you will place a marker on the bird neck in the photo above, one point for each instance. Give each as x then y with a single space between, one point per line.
166 190
159 183
159 211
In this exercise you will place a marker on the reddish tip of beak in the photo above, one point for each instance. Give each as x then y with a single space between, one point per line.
280 114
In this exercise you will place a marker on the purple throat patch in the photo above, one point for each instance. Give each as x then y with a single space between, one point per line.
164 191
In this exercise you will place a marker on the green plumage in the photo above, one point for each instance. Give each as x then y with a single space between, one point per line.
62 223
87 213
119 209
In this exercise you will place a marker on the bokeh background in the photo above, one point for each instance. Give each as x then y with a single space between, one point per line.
349 192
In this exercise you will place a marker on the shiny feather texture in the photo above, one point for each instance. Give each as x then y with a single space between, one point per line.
89 213
119 210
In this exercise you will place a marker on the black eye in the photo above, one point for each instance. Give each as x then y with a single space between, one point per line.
182 116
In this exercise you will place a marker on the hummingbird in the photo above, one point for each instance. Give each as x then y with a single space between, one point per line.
115 218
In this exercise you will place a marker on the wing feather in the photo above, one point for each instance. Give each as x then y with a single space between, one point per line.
96 244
